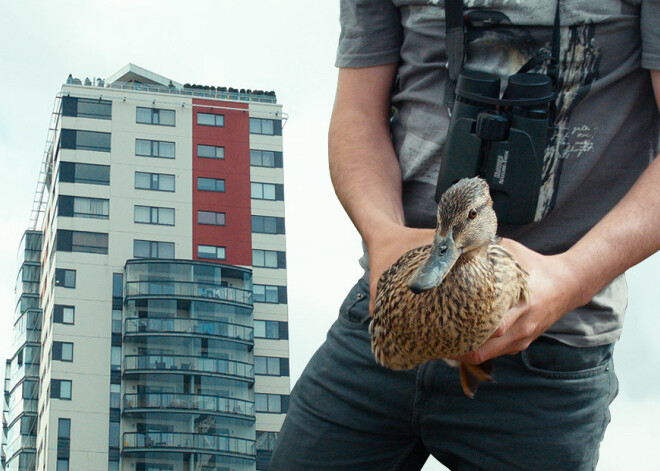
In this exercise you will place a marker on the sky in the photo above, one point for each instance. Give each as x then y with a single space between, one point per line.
284 46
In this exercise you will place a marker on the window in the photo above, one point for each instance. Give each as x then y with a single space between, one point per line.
269 294
86 107
271 366
271 330
265 158
162 149
270 127
65 278
115 396
155 116
267 225
210 152
60 389
210 119
154 215
211 251
63 314
79 241
273 403
268 259
211 218
74 172
115 358
154 181
78 206
210 184
62 465
152 249
64 429
267 191
63 351
85 140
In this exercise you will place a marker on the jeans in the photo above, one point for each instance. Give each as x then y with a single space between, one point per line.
546 410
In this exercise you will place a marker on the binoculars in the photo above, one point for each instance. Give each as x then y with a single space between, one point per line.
503 140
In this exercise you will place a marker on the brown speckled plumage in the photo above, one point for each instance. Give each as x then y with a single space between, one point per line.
462 312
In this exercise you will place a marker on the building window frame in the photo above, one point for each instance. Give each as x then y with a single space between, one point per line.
65 278
61 389
62 351
211 184
210 119
64 314
265 126
155 116
154 248
155 181
211 218
155 149
210 152
155 215
211 252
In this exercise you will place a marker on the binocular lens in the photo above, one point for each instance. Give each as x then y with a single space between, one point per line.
478 83
528 86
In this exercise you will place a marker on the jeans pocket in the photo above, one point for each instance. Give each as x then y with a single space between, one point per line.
355 308
551 359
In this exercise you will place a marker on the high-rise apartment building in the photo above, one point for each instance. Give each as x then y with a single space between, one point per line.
150 330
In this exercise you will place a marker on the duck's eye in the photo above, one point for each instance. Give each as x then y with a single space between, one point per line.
472 214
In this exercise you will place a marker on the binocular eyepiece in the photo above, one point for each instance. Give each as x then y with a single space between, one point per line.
503 140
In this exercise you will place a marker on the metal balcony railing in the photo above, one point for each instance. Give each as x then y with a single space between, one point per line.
185 442
202 327
184 363
189 402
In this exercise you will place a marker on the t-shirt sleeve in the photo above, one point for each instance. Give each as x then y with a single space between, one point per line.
370 33
651 34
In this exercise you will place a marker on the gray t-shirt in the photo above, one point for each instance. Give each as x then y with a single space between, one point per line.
607 119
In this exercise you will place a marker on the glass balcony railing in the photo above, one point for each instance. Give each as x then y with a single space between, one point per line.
188 327
173 441
184 363
188 289
190 402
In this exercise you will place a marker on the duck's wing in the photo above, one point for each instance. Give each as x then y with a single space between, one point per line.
511 283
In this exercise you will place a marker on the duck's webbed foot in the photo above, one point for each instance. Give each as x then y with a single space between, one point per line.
473 375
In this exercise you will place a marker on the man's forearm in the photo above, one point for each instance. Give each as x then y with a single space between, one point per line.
363 166
628 234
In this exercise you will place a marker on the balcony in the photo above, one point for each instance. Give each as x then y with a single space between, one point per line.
188 290
134 364
189 442
188 327
189 402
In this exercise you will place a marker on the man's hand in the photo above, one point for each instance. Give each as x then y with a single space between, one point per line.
386 249
555 291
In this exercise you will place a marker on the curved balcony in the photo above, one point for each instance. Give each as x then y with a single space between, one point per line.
188 290
189 442
186 403
135 327
134 364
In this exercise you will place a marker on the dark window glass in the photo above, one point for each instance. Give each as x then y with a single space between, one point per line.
211 218
79 206
60 389
269 127
271 330
265 158
62 465
269 294
162 149
79 241
86 107
210 119
154 181
210 152
273 403
65 278
73 172
154 215
267 191
267 225
268 258
63 351
271 366
155 116
63 314
153 249
64 428
211 252
210 184
85 140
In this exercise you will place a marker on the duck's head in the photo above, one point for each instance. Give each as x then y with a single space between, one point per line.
466 223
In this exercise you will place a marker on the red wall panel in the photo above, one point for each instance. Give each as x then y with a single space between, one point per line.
234 136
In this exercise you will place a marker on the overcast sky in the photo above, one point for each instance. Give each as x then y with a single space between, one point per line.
287 46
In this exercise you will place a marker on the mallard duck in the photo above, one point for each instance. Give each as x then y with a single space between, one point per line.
446 299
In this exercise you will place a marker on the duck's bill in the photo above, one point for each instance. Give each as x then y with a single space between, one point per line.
433 271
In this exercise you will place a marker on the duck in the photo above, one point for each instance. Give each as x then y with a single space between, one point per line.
445 299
